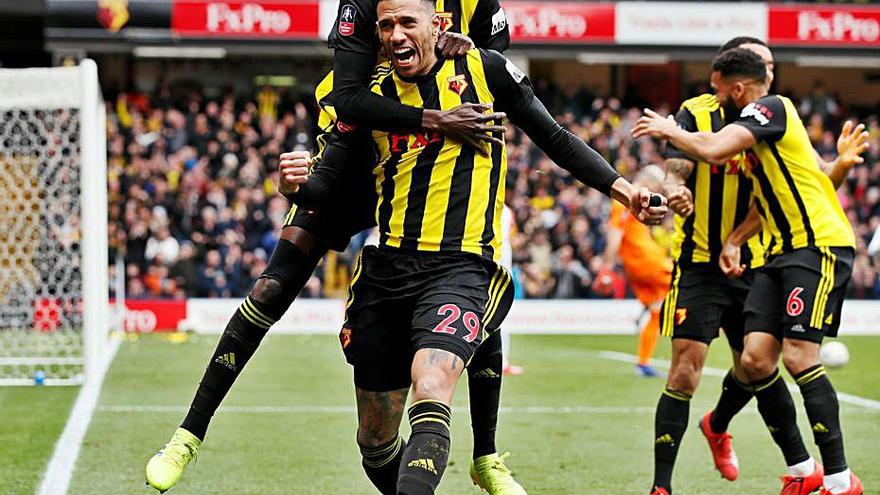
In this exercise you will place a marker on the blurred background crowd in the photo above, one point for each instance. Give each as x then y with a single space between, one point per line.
194 211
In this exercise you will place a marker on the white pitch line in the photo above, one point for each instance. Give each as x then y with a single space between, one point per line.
59 471
353 410
717 372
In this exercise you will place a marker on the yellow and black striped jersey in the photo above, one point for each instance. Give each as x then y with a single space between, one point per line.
798 205
721 192
436 194
483 21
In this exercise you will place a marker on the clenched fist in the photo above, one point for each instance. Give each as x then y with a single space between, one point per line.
294 169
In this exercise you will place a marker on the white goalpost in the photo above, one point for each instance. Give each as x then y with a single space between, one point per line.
54 310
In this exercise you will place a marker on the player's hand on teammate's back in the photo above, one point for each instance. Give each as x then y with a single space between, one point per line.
468 124
452 45
729 260
655 125
293 168
681 201
648 207
851 144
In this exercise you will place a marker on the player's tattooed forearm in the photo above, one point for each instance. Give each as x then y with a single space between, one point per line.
679 167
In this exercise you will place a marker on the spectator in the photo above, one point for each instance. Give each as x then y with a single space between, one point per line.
162 246
820 102
572 278
194 212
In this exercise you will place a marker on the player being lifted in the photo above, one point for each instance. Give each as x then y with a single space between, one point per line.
422 301
796 297
307 235
709 201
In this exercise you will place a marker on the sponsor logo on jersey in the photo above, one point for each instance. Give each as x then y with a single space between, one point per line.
345 128
346 20
499 22
399 142
458 84
757 111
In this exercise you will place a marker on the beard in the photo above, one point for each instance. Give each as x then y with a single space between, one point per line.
731 110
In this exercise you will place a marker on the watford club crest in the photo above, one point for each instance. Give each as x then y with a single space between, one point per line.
458 84
681 314
345 337
113 14
445 20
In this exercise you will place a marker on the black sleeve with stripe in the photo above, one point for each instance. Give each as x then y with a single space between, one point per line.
356 104
355 27
514 95
764 118
356 45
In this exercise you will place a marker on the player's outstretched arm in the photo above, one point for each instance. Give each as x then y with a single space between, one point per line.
514 94
584 163
713 147
852 142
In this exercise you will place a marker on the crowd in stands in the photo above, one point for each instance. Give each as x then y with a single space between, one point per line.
194 212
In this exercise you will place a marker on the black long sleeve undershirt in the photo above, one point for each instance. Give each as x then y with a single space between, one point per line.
355 103
530 115
563 147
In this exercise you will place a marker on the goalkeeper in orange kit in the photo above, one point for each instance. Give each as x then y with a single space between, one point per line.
646 263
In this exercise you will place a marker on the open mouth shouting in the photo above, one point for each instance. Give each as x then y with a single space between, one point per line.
404 57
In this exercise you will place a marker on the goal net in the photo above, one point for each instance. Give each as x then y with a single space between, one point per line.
53 225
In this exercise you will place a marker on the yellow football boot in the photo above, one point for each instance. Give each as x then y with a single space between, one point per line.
166 467
490 474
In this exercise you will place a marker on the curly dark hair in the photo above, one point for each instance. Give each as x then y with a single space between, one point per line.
740 62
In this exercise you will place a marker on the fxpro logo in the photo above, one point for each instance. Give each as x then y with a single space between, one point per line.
249 18
839 26
548 21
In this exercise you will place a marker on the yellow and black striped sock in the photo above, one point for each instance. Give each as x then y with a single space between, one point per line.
670 423
777 410
734 396
427 453
382 463
823 410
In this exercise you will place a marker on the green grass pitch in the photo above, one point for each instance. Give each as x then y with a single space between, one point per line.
289 425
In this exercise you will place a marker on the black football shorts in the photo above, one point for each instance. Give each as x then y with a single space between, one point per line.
701 300
402 301
799 295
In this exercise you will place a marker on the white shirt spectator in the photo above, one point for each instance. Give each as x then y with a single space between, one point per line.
162 245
